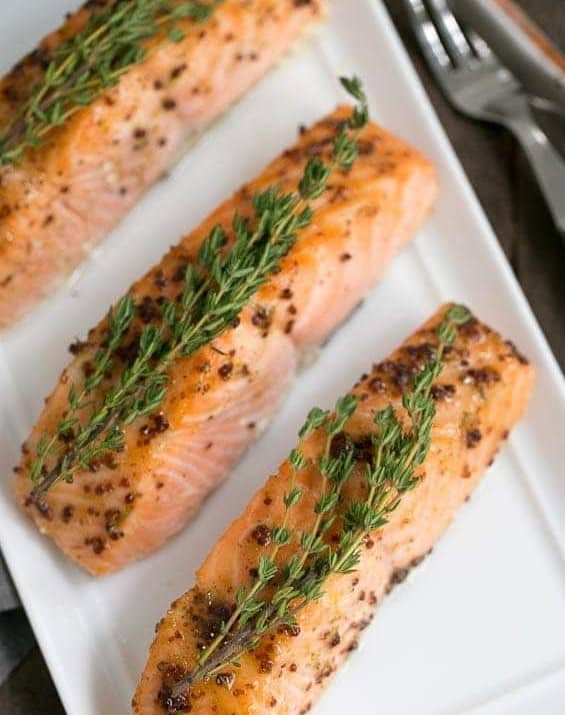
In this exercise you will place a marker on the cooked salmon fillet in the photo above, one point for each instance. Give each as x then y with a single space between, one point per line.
481 393
60 200
223 395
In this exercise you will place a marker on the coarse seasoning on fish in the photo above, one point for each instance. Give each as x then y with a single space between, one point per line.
480 394
59 200
220 397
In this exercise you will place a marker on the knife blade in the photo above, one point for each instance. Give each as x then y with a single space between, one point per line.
519 43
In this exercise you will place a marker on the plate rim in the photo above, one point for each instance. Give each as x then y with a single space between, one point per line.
525 313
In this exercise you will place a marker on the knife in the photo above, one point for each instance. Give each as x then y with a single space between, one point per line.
519 43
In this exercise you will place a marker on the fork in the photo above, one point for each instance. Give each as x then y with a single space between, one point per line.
475 82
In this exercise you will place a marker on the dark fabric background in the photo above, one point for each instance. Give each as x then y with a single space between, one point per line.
510 197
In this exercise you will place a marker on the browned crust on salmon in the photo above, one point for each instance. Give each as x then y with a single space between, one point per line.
220 398
482 392
61 199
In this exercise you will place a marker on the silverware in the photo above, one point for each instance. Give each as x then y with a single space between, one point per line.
551 119
518 43
479 86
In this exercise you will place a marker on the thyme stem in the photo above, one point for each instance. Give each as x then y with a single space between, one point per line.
398 451
216 288
92 61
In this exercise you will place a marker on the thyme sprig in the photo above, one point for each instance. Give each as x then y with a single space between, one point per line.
281 591
216 288
92 61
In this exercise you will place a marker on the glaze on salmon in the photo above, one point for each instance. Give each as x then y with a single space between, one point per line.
61 199
224 394
481 393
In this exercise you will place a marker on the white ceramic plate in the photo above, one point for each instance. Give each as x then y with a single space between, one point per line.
482 627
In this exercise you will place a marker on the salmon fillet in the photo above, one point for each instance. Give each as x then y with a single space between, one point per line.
481 393
61 199
222 396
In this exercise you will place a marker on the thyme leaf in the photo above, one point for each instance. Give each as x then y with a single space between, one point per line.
92 61
280 591
217 286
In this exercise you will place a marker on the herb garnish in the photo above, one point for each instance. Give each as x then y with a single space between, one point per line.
216 288
281 591
92 61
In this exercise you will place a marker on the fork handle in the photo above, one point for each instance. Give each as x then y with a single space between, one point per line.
547 163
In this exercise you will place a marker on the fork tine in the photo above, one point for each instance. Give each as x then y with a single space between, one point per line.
428 37
450 32
479 45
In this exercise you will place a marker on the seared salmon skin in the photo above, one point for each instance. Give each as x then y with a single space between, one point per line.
222 396
480 394
62 198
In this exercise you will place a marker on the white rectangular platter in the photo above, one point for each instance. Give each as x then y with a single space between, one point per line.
481 628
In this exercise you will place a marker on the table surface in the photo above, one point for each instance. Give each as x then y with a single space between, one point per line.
508 192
